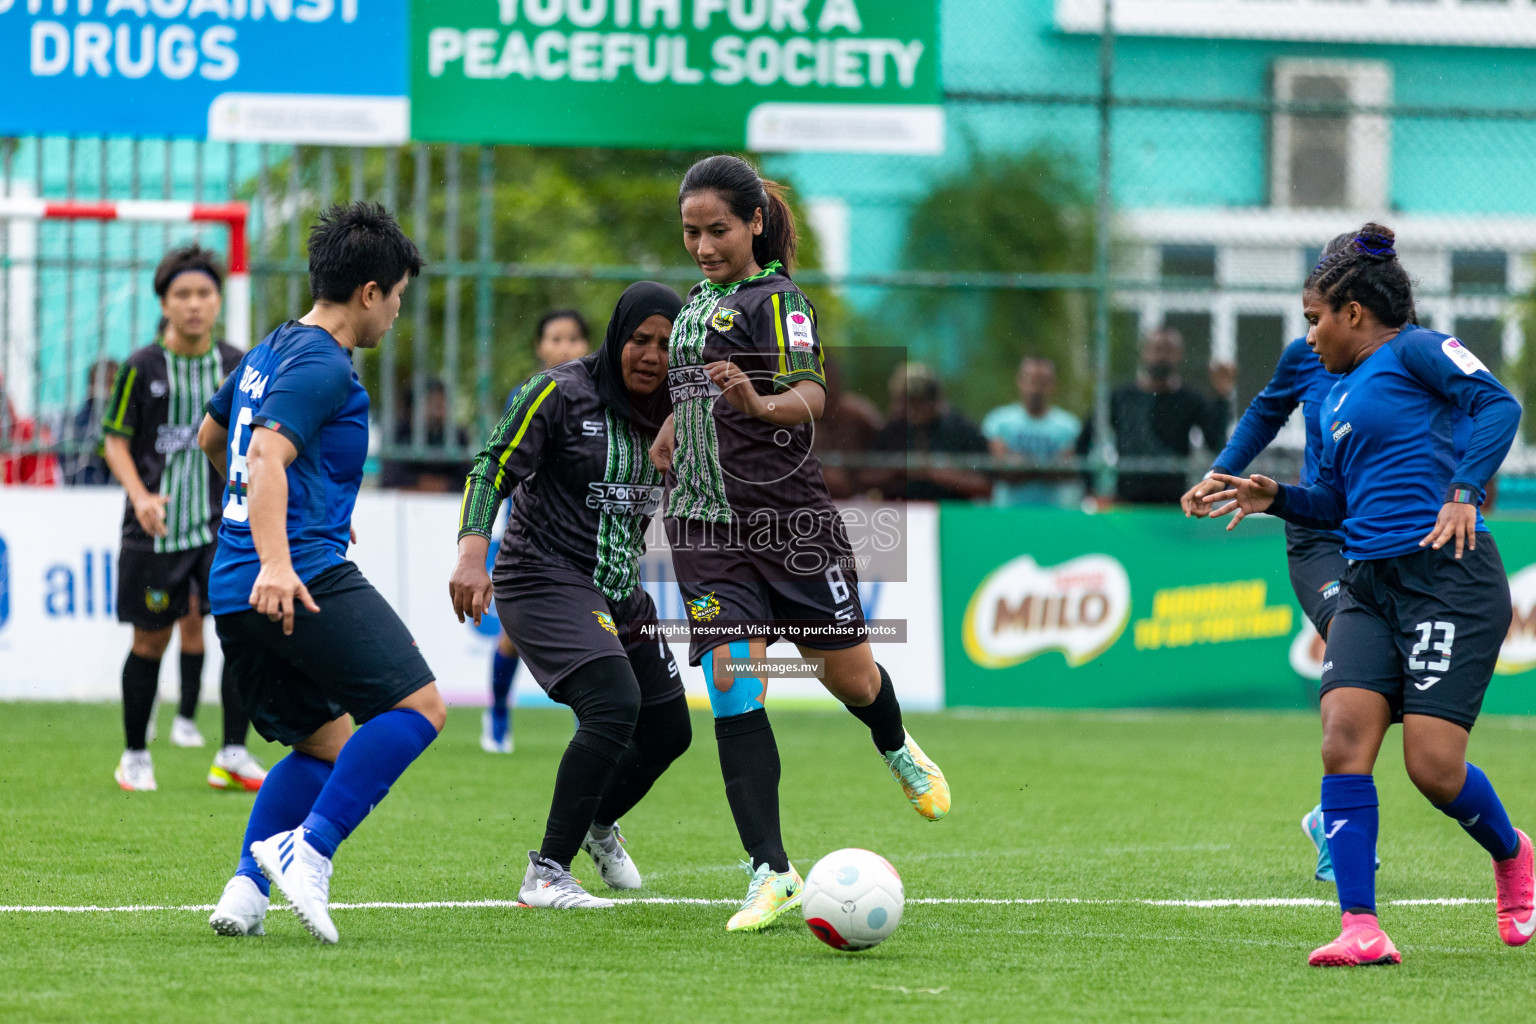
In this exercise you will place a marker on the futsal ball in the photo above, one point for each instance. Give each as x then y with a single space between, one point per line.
853 899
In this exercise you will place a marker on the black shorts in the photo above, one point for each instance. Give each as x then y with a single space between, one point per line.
154 590
1316 565
1424 629
353 657
560 621
736 587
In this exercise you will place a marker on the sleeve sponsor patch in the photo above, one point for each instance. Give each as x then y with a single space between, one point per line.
1462 356
797 331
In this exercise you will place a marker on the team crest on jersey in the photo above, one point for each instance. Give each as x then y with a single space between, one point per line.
797 328
157 600
702 609
724 319
606 621
158 388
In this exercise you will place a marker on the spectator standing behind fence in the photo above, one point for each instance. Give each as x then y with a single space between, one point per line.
84 464
1038 431
846 428
922 423
437 475
1154 417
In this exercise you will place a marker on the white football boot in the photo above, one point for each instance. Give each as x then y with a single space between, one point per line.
547 884
135 771
184 733
241 908
606 848
234 768
303 873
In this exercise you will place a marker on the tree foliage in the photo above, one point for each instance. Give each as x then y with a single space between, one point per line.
1011 214
578 209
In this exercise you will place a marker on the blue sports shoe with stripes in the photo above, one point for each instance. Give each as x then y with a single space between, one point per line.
1312 825
303 873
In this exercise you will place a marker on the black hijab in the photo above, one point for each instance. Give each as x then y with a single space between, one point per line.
639 301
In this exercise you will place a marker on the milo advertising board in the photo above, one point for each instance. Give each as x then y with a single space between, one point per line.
1047 608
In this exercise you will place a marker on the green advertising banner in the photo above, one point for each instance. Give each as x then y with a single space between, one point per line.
1046 608
766 75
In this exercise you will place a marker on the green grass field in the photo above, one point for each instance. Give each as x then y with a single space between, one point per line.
1110 809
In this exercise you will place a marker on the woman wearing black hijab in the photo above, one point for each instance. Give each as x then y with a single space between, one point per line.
573 446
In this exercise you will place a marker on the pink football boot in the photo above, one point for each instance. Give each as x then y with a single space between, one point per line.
1361 942
1516 884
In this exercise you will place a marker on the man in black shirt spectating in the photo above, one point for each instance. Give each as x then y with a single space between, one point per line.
1153 417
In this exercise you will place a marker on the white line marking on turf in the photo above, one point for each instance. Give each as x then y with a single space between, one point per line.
1210 904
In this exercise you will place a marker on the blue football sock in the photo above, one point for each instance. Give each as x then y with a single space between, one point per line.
503 669
375 756
285 797
1350 822
1478 810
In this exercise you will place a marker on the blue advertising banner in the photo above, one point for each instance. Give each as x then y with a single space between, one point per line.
300 71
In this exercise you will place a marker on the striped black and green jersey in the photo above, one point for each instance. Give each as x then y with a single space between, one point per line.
582 485
726 462
157 404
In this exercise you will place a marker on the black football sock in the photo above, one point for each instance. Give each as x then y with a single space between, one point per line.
662 734
605 696
883 716
191 684
749 761
236 722
141 679
579 783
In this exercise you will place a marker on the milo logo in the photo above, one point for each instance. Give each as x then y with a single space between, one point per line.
1023 609
1519 651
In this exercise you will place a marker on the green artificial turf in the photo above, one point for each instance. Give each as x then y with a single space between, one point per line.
1098 807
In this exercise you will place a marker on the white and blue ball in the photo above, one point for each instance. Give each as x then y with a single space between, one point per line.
853 899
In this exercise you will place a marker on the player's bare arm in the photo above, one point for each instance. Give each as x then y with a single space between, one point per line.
278 588
213 439
470 584
148 508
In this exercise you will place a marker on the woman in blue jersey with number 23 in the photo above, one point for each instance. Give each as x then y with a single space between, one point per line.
1424 604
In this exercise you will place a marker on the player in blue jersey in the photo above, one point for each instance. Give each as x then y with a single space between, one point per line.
1314 558
1424 602
308 638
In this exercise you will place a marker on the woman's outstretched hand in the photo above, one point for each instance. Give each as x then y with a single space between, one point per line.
1243 496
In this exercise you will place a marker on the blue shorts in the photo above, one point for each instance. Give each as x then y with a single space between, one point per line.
1423 629
1316 565
353 657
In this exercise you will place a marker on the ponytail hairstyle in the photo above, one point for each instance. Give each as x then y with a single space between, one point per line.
1365 269
744 191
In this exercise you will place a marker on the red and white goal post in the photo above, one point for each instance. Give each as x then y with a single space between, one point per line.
237 283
